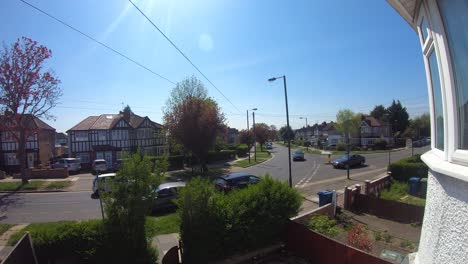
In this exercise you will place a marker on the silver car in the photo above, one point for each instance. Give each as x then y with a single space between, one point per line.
298 155
72 164
99 165
102 183
166 193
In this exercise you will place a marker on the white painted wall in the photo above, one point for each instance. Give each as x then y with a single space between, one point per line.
444 237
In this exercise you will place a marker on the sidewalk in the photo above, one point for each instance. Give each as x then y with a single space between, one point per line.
165 242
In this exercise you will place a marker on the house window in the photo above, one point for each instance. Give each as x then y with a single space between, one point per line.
455 17
424 30
437 97
10 159
102 135
81 136
84 157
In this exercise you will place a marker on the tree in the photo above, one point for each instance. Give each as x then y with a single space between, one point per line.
419 127
127 109
398 117
273 133
262 134
126 208
379 112
347 122
286 133
246 137
193 119
27 91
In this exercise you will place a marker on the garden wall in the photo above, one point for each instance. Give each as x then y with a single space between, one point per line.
45 173
320 249
22 252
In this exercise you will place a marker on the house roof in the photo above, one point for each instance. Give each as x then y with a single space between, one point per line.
60 135
329 126
407 9
372 121
36 123
108 121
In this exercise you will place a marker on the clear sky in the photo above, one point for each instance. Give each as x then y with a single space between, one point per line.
335 53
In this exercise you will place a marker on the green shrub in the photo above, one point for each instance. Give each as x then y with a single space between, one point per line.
174 162
242 150
378 236
341 146
215 225
380 144
323 225
387 237
406 168
226 154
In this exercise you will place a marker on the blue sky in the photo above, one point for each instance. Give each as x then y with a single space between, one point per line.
336 54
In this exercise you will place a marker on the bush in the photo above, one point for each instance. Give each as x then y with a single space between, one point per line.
174 162
408 167
242 150
323 225
221 155
380 144
81 242
341 146
358 238
215 225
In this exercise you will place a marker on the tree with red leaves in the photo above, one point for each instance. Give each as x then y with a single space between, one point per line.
358 238
193 119
26 91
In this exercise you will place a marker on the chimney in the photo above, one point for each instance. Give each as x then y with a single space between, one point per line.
126 115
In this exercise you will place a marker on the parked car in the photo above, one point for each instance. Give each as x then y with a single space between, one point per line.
165 195
118 164
72 164
352 160
269 145
298 155
331 147
235 180
99 165
102 183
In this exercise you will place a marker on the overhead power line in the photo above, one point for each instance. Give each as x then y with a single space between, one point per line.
183 54
97 41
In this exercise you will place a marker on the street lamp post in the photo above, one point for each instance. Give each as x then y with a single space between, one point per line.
255 138
248 128
287 121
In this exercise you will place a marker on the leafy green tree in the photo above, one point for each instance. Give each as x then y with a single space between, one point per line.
419 127
379 112
347 122
398 117
286 133
262 134
133 192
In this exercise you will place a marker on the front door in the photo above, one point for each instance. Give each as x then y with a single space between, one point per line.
99 155
30 160
108 158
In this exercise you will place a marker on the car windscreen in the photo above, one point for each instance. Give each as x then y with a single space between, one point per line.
71 161
100 163
221 181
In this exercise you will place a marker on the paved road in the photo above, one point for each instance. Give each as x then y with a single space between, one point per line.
314 168
46 207
308 176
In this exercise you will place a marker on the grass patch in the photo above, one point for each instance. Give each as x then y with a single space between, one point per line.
399 192
58 185
17 186
4 228
261 157
162 224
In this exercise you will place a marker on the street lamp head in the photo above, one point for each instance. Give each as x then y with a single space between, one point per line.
301 117
254 109
272 79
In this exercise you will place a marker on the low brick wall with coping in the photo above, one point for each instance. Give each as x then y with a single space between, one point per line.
324 210
58 173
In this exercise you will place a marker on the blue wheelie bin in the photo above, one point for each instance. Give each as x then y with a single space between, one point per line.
325 197
414 185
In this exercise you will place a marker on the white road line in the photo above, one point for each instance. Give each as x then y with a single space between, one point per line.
312 172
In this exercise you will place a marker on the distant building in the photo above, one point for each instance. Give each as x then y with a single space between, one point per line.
331 134
107 136
39 146
373 129
232 136
61 139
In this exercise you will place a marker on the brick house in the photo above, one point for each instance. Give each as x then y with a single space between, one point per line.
107 136
372 129
39 146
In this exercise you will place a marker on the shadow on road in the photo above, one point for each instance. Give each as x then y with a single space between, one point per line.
6 201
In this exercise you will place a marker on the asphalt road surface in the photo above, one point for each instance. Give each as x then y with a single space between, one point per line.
314 167
45 207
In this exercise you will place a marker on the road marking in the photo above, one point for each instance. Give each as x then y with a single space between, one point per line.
353 176
309 175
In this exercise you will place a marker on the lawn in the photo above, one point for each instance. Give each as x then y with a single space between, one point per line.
399 192
160 225
261 157
58 185
15 186
4 228
34 185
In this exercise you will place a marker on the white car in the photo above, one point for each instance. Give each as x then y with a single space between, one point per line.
102 183
99 165
72 164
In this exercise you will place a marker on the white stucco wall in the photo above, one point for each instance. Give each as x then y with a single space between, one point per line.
444 237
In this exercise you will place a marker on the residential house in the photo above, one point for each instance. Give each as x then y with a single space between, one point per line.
232 136
441 27
373 129
39 146
331 134
107 136
304 133
61 144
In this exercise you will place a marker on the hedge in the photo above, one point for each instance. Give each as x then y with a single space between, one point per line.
215 225
242 150
221 155
406 168
73 242
175 162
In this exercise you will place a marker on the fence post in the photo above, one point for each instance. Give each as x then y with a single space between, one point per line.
367 186
358 188
334 202
346 197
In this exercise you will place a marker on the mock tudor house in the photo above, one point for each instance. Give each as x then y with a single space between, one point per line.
304 133
373 129
107 136
39 146
442 29
331 134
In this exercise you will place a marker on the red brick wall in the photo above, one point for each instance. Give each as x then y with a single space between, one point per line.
45 173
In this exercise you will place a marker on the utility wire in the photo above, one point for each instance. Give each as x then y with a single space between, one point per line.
183 54
97 41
